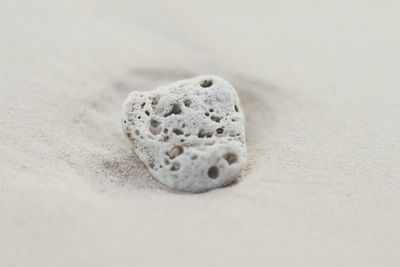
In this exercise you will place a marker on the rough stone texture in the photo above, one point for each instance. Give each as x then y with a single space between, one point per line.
190 134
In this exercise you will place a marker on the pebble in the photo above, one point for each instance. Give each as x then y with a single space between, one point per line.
190 134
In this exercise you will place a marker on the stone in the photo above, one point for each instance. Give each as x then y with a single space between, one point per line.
190 134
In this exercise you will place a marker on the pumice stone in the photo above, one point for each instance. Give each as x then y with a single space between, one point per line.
190 134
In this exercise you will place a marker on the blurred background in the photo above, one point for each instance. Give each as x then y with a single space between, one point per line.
319 83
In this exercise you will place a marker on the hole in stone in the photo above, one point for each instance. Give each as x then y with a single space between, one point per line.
213 172
175 151
177 131
154 101
215 118
236 108
166 130
175 166
152 165
187 102
211 110
154 123
220 130
142 105
176 109
230 158
124 121
155 127
203 133
147 113
206 83
207 114
139 117
182 140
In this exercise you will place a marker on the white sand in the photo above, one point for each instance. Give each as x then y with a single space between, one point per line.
319 83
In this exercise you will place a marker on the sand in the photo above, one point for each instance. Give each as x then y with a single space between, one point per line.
319 82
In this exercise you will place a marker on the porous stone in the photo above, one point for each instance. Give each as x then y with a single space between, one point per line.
189 134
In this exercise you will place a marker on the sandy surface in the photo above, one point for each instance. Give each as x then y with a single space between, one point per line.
319 84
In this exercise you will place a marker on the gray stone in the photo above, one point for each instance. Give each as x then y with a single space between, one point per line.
189 134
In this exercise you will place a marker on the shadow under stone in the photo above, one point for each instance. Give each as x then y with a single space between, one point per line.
124 169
